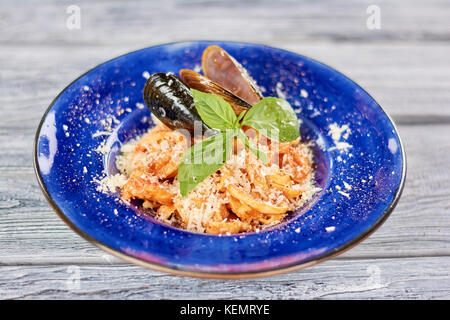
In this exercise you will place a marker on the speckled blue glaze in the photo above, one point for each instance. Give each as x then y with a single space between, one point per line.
374 166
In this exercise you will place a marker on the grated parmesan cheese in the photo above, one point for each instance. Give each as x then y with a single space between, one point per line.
336 132
110 184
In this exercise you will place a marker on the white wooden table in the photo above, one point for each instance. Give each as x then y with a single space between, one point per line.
405 65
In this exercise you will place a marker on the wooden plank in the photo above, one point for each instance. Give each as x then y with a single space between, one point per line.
407 278
108 22
31 233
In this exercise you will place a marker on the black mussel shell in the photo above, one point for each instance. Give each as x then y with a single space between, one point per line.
171 101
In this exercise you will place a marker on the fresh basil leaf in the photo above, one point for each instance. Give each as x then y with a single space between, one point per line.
273 118
203 159
259 154
214 111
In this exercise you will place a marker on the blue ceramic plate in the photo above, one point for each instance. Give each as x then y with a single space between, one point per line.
361 168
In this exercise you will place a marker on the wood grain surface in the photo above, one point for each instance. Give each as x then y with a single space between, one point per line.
405 66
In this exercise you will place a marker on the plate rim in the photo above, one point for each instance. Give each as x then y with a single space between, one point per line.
222 275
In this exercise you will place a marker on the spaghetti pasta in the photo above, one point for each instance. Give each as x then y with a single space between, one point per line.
244 195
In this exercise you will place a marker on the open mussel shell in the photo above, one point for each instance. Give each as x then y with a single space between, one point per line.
223 69
171 101
198 82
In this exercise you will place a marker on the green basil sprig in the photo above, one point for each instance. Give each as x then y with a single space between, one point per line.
272 117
